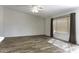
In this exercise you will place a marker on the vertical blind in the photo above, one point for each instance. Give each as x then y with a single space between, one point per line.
61 25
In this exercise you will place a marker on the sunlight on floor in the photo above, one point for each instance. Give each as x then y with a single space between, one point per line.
1 39
67 47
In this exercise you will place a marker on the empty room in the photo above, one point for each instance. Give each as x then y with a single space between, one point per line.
39 29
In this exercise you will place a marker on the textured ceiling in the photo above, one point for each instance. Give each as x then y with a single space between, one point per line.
48 10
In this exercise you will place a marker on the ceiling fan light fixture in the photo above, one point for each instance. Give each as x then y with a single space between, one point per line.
36 9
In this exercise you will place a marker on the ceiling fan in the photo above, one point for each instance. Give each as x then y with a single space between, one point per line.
37 8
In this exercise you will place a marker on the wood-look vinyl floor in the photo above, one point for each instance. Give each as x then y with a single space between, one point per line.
28 44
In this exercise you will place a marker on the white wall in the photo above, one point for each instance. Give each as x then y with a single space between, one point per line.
47 26
1 21
77 26
20 24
